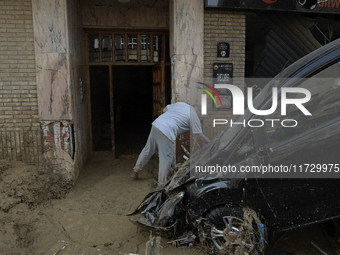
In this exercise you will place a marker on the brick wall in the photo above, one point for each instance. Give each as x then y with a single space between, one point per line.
223 26
18 88
58 133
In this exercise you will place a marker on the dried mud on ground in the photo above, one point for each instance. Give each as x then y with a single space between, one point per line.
38 217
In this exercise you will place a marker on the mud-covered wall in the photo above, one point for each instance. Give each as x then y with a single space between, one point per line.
137 14
50 27
59 51
78 84
186 48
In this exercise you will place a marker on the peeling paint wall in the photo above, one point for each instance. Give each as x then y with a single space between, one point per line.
58 133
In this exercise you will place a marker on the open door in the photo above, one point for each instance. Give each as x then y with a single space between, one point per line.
158 87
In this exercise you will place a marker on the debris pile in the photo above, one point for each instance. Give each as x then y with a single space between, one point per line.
29 184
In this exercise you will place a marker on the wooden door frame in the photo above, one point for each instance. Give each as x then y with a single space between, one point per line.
87 32
158 85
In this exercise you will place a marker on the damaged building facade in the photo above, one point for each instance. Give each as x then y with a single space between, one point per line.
84 76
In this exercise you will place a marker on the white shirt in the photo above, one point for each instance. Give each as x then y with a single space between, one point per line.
178 119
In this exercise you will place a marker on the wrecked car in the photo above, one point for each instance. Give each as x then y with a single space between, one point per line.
231 213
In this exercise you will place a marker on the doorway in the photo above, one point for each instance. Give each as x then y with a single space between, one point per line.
125 94
100 108
132 90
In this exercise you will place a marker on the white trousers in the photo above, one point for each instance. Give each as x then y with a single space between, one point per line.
157 140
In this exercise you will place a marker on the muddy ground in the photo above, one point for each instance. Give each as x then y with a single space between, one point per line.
38 216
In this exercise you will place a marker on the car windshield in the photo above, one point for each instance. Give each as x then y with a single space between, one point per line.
230 133
303 68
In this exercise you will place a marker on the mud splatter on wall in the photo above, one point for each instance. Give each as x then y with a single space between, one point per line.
59 54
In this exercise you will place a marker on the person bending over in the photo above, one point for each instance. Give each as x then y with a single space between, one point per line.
176 119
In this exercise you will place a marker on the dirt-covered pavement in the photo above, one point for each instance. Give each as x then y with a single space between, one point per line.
38 217
91 219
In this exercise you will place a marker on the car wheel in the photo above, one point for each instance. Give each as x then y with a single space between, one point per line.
232 230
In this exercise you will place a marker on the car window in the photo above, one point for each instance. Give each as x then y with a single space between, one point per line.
324 106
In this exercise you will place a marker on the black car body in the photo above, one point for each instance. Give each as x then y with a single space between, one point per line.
231 215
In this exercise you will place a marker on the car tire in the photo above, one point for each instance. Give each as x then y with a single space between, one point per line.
232 230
